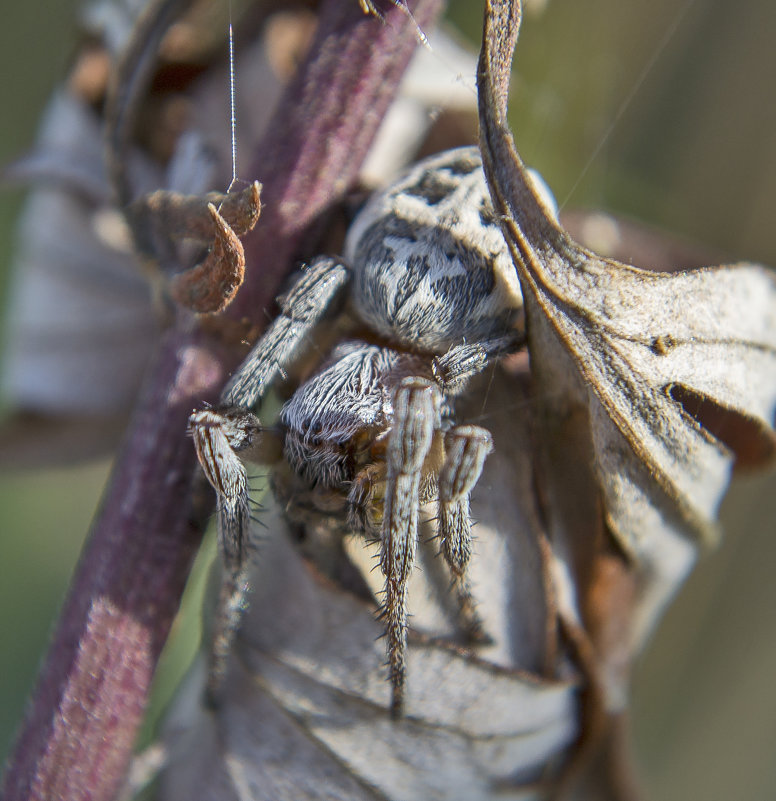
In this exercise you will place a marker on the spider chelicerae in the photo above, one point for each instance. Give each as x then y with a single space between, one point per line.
372 434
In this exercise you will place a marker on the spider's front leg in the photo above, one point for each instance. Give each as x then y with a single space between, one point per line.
416 416
466 448
220 433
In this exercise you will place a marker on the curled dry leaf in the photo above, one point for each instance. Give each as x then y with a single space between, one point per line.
172 214
211 285
164 217
657 380
641 342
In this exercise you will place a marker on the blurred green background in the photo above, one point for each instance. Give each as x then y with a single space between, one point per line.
692 150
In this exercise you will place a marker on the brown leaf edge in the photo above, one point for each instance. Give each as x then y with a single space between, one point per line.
600 764
77 737
211 285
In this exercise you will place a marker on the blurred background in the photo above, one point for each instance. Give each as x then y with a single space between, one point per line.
656 109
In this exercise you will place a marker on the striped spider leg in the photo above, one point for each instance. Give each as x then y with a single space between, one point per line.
220 433
416 420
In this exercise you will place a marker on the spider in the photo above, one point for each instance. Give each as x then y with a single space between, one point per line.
372 435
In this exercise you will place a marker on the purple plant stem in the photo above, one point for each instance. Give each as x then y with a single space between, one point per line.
77 738
338 102
91 693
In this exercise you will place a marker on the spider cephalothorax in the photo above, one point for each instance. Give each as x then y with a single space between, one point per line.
427 271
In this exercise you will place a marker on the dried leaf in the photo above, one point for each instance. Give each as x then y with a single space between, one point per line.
81 325
164 217
631 338
647 378
211 285
177 216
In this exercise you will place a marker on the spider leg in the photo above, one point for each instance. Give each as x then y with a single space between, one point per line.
416 416
301 310
466 448
220 433
454 369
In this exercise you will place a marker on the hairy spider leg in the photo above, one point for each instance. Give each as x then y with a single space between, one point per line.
221 432
416 416
417 404
454 369
466 448
416 419
300 311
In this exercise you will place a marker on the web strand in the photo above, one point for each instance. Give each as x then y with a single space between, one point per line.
232 104
646 70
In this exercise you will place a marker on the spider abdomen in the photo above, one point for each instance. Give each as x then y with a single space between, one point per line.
430 266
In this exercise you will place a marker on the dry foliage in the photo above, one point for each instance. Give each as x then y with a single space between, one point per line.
611 455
